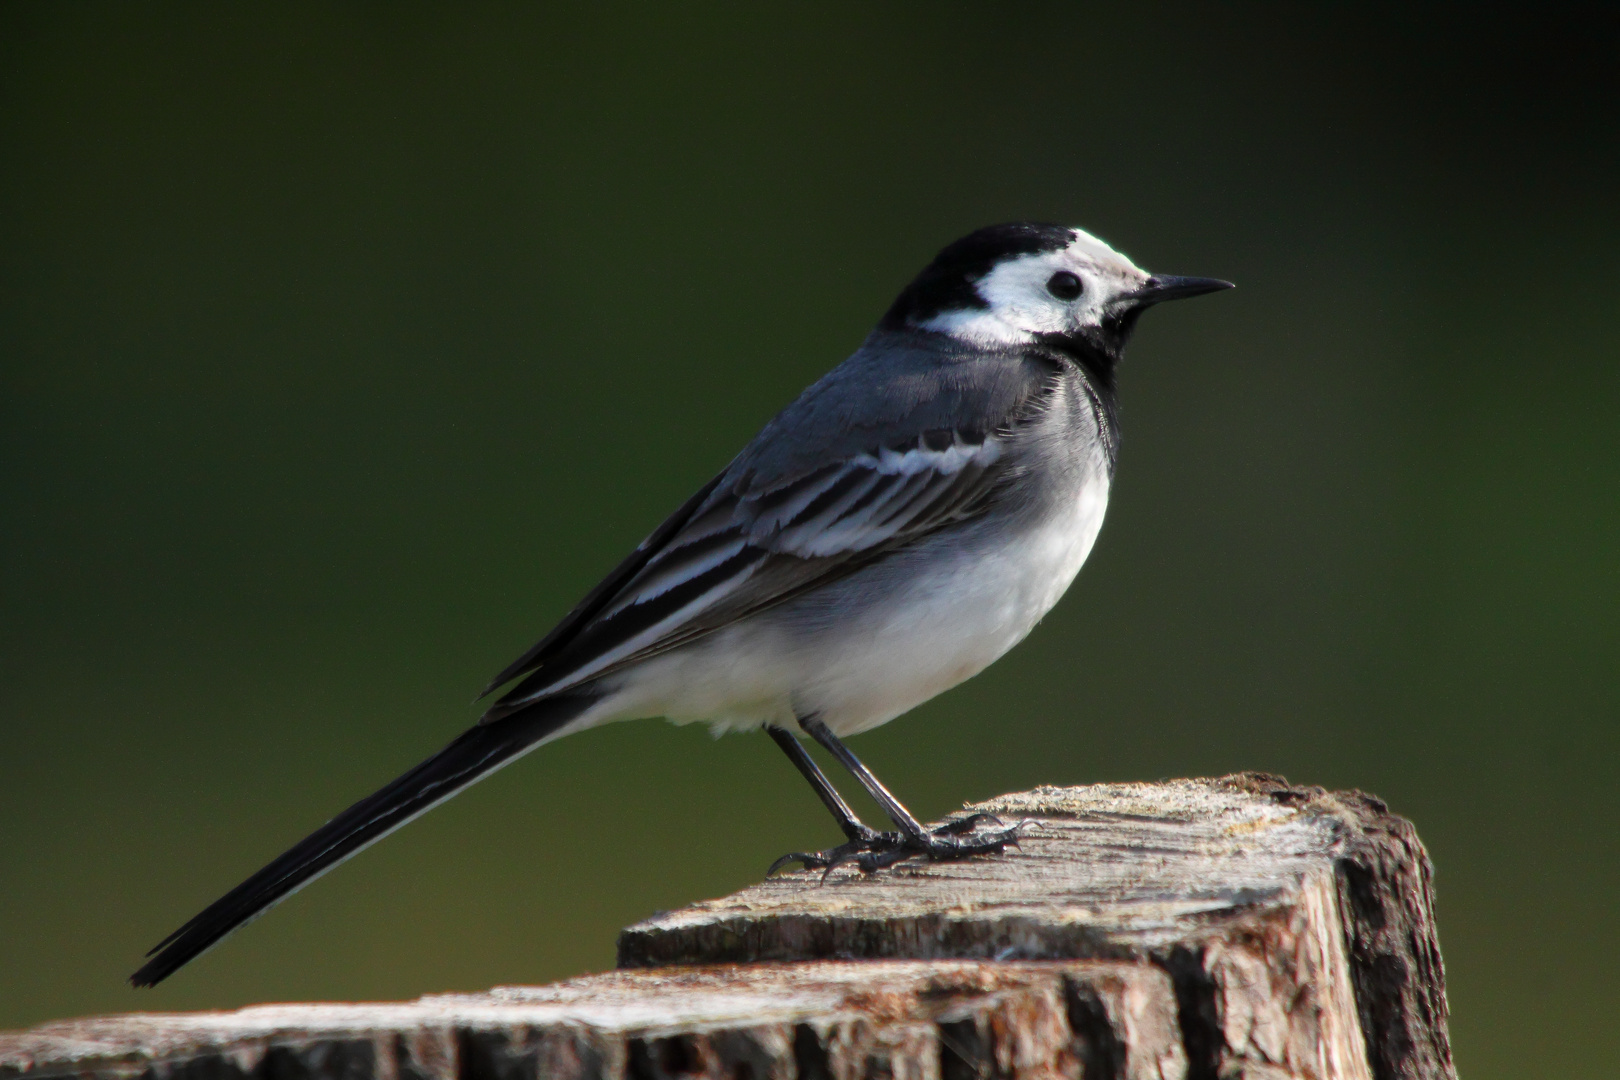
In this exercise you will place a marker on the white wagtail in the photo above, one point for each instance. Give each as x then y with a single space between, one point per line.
889 534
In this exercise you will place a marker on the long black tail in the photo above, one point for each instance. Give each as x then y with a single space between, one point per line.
473 755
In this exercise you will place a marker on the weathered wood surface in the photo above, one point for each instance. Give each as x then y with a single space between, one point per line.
1197 929
1291 918
948 1020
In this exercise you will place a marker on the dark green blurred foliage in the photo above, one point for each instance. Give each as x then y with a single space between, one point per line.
342 347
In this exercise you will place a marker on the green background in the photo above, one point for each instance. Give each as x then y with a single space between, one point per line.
343 347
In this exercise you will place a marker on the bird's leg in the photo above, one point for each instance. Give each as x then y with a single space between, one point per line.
861 837
853 827
902 818
946 842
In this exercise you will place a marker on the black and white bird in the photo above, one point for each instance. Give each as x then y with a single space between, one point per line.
900 526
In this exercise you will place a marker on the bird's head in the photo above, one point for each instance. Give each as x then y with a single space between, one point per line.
1007 285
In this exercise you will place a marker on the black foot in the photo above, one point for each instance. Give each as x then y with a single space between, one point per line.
952 840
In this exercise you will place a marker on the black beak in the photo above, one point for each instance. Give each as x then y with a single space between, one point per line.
1162 287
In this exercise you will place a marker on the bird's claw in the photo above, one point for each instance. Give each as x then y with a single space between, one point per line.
849 851
878 851
968 822
808 860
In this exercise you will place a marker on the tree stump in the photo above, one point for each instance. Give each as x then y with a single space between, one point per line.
1194 929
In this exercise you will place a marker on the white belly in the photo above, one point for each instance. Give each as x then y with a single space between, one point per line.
885 640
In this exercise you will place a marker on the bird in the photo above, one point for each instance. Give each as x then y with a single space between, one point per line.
902 524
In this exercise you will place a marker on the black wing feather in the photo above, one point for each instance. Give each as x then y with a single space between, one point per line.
599 597
788 539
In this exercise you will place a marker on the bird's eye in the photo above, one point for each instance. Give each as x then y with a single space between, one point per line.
1065 286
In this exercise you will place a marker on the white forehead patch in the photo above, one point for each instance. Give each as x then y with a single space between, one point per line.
1086 244
1019 305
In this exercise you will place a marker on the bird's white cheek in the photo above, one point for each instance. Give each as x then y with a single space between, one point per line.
978 326
1050 319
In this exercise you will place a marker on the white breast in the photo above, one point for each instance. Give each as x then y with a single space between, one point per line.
883 640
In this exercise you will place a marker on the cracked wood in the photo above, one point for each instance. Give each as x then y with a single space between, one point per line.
1191 929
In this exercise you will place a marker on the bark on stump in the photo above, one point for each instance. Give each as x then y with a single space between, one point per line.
1191 929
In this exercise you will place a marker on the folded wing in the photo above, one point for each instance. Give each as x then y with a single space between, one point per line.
747 545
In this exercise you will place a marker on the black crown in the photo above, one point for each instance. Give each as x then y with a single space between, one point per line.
947 283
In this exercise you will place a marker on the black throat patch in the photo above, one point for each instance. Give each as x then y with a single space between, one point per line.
1097 356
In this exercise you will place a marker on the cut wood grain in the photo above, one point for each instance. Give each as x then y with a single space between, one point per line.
1297 923
946 1020
1194 929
